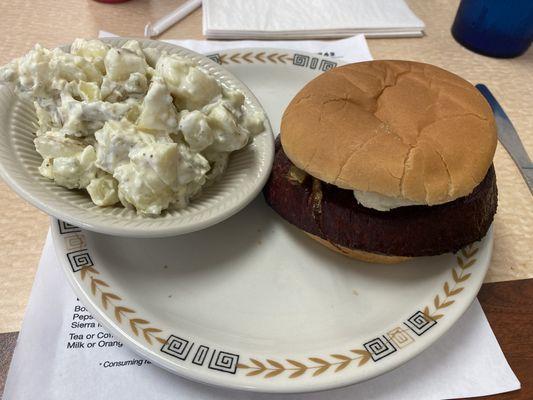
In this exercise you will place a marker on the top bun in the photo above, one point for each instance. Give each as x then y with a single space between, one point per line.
402 129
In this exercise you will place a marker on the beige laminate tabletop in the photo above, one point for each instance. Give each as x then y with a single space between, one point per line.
53 22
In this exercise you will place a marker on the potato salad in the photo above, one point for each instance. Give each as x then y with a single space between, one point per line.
132 126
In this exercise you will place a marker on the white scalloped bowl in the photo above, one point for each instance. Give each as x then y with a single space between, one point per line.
246 174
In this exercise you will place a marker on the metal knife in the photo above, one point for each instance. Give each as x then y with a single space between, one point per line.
508 136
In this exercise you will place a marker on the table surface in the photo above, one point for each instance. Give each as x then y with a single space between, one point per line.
51 23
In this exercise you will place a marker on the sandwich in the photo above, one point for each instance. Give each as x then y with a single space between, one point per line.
383 161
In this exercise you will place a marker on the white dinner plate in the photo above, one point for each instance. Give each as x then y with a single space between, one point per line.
254 304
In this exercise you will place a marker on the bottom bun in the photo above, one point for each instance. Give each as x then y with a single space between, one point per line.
359 254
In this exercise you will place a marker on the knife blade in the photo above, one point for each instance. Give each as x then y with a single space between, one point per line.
508 137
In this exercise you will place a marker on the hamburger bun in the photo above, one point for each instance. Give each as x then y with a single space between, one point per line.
359 254
400 129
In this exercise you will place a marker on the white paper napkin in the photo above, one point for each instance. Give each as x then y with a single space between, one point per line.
299 19
466 362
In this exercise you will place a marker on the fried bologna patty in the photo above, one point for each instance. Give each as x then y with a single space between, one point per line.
334 215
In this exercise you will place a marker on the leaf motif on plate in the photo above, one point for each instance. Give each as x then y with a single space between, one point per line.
341 357
297 373
106 296
147 333
297 364
342 365
255 372
119 310
459 276
274 372
137 321
321 370
259 364
160 340
275 364
319 361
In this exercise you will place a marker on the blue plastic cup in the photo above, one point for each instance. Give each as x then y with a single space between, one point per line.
496 28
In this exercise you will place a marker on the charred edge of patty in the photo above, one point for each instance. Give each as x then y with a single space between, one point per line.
334 214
